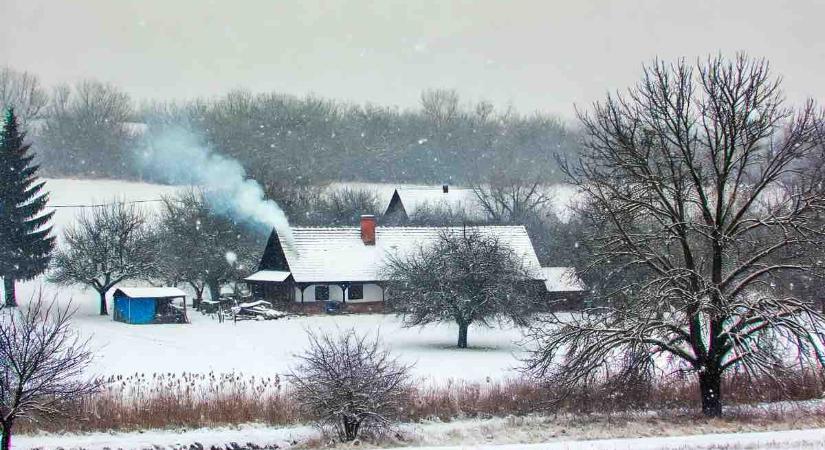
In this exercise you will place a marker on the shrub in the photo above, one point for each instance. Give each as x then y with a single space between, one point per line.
350 384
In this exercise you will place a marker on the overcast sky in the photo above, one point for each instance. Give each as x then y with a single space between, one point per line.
542 55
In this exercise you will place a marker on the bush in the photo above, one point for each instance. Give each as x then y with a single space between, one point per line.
350 384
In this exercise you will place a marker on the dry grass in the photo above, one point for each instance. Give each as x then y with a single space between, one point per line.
143 401
195 400
519 397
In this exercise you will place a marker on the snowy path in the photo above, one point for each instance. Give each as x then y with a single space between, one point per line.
791 439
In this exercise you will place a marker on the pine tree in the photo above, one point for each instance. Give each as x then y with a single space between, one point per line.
26 242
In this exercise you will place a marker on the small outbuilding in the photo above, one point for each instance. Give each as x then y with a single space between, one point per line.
142 305
565 289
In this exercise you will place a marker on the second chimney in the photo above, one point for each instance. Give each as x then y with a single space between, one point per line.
368 229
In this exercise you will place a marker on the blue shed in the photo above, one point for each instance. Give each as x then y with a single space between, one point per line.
149 305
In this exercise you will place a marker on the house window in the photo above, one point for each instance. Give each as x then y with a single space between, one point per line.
355 292
321 293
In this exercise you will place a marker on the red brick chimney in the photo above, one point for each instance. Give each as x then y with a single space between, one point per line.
368 229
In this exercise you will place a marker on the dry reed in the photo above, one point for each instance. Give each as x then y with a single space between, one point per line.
169 400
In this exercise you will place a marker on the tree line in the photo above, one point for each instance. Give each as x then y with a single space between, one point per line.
92 129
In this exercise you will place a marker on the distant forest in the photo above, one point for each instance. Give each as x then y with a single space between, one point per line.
92 129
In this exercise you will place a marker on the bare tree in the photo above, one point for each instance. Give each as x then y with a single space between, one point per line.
438 214
692 178
104 247
23 92
42 360
512 197
350 383
440 105
202 248
92 102
464 277
340 207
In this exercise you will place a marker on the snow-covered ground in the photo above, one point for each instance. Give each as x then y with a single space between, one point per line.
159 439
253 348
267 347
286 437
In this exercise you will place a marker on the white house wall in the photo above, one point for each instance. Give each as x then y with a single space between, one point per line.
372 293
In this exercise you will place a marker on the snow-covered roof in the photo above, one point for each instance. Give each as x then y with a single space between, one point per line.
561 279
268 275
455 199
151 292
338 254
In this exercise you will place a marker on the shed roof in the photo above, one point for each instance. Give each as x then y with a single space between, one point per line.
338 254
268 275
562 279
151 292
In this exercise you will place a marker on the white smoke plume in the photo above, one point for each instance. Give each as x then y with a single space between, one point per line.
178 157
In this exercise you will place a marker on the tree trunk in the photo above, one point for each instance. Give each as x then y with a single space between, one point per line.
5 443
104 310
462 334
196 302
214 290
710 385
8 288
350 428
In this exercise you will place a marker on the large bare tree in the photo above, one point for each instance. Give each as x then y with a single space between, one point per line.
42 360
700 198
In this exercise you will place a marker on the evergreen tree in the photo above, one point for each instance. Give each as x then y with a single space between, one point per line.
26 242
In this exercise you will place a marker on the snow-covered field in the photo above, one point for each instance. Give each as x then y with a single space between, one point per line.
70 196
253 348
267 347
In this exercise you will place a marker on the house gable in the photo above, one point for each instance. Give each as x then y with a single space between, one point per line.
395 213
274 257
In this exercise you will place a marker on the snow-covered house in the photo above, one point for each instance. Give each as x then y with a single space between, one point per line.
406 201
345 264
